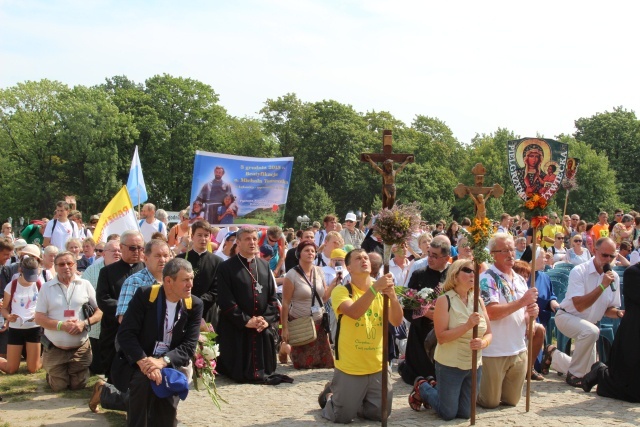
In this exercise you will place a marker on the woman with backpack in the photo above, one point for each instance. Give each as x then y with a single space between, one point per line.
19 310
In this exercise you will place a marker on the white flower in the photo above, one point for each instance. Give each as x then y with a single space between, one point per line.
208 353
425 293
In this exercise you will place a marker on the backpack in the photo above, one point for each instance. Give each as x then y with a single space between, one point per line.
350 290
55 222
160 225
14 286
155 289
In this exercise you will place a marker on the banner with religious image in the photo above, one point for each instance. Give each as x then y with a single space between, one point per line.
229 189
537 166
572 168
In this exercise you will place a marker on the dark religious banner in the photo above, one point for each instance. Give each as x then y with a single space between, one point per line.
537 166
572 168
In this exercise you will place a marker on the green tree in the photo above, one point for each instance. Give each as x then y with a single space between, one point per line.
616 134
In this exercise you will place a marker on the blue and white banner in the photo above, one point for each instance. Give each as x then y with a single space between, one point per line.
135 183
230 189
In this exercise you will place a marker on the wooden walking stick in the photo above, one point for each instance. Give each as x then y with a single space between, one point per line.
532 284
474 353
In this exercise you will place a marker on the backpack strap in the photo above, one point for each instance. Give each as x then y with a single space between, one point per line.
140 223
160 225
14 286
155 289
350 290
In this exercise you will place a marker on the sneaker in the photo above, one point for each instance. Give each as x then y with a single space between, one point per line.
95 396
324 395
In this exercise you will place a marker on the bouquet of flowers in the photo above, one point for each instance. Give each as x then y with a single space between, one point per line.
537 205
395 225
204 362
418 301
478 237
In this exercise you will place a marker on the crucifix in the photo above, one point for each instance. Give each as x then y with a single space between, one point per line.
388 173
478 193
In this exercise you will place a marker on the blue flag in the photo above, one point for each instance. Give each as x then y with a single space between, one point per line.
135 183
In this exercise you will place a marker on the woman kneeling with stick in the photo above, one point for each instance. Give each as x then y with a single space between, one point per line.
454 320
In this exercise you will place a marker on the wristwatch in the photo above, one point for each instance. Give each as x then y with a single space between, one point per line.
166 360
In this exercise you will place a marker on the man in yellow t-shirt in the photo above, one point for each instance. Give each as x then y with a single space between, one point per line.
357 379
550 230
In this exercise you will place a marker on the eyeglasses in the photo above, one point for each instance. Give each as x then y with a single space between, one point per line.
608 256
99 251
505 251
466 270
134 248
618 214
65 264
577 241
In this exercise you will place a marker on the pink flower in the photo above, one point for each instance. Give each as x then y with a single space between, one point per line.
200 363
213 364
202 338
210 327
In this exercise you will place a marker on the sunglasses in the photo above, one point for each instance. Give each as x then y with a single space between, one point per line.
559 238
466 270
99 251
65 264
577 241
134 248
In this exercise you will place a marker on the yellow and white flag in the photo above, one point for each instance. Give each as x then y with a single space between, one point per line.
117 217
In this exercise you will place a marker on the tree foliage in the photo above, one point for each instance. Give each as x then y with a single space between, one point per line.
59 140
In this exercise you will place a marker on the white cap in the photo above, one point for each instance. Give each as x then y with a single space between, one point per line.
351 217
19 244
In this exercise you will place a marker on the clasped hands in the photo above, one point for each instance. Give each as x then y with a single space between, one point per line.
258 323
150 366
73 326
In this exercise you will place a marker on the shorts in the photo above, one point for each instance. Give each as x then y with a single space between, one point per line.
22 336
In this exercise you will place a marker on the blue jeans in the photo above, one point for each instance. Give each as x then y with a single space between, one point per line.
452 396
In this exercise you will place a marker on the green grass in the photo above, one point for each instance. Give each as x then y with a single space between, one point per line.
21 386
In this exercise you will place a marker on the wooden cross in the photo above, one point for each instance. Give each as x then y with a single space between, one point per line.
388 173
478 193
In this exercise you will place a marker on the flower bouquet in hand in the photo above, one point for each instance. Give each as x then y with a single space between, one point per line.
419 301
204 362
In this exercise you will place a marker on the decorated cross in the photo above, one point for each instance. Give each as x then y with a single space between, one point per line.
478 193
388 173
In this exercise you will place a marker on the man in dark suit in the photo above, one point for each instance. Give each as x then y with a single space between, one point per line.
110 282
149 343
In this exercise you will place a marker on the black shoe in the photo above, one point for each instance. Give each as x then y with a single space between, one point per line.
574 381
322 398
591 378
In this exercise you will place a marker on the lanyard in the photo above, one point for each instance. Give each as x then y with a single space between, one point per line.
312 286
64 294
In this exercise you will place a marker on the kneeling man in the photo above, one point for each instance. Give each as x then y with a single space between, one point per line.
356 387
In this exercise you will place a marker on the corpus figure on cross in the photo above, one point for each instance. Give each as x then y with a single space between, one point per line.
388 178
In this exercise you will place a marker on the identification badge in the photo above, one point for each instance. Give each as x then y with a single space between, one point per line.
69 313
315 309
160 348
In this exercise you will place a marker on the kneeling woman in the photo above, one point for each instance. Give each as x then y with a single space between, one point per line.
20 296
454 320
303 294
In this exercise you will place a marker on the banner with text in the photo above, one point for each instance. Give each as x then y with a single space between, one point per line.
117 217
537 166
229 189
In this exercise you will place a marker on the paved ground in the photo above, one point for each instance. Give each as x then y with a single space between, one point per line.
552 403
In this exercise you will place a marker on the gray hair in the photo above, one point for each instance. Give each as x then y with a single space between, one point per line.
132 233
443 243
520 239
150 206
627 218
603 240
173 267
51 250
162 215
148 247
498 237
64 254
245 230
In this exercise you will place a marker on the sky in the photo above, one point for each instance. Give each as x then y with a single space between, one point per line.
530 67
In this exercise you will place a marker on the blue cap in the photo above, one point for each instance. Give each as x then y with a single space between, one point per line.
173 383
266 250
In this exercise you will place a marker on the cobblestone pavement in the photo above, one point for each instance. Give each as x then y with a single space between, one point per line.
553 403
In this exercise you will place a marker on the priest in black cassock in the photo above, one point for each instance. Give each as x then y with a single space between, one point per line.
205 266
110 282
416 362
248 313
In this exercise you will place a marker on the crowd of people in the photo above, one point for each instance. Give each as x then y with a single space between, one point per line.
130 309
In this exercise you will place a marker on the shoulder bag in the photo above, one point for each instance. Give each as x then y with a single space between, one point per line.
302 331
